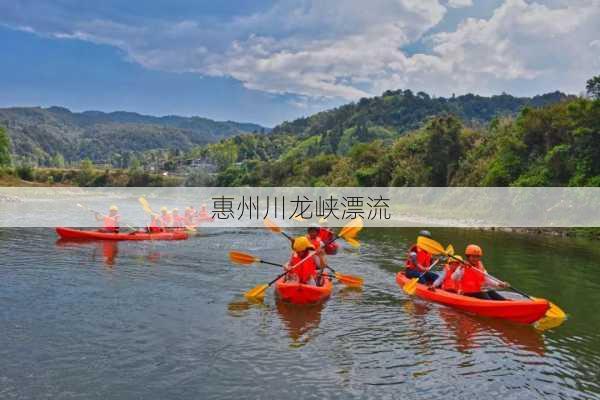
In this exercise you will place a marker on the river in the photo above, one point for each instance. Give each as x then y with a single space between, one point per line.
101 320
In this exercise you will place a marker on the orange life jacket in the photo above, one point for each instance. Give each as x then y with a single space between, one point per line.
423 259
111 223
304 271
154 226
178 221
472 279
448 283
166 220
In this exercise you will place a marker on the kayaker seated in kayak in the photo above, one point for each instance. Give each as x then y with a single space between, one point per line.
110 222
313 236
188 216
445 280
154 226
419 261
472 278
327 236
166 221
176 218
306 271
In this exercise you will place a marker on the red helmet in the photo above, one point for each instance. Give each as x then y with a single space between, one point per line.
473 250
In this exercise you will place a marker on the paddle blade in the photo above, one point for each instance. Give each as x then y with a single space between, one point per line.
450 250
272 226
257 292
145 205
430 246
352 242
349 280
352 228
411 286
242 258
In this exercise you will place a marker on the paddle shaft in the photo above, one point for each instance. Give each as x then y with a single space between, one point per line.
491 276
430 268
99 213
291 269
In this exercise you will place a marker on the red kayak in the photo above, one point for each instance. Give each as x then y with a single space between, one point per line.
298 293
77 234
524 311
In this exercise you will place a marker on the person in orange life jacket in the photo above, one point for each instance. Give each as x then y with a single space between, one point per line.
326 235
188 216
166 221
177 220
418 261
472 279
155 225
444 279
313 236
203 214
110 222
306 271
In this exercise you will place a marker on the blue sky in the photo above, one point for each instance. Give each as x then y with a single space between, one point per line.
265 61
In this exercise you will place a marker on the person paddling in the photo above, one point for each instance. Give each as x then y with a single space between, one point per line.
445 280
472 279
314 238
306 271
155 225
177 220
166 221
327 236
188 216
110 222
419 261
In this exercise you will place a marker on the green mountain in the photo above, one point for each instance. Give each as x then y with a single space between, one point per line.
37 134
402 139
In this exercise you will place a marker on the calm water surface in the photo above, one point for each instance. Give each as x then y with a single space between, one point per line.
167 321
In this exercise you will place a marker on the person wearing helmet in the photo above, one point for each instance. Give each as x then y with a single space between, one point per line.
444 279
303 263
472 278
176 218
110 222
327 236
166 221
419 262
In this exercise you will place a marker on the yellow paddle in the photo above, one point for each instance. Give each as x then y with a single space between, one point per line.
248 259
435 248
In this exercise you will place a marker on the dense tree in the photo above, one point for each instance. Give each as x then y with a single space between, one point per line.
5 158
593 87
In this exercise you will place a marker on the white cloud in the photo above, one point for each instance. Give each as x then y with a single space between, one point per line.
460 3
318 49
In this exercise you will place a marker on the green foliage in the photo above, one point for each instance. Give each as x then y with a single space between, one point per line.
5 159
25 172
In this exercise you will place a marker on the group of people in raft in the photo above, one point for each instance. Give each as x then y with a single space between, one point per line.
467 278
165 221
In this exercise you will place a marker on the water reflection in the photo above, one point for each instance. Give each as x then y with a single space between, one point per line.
468 330
299 320
108 251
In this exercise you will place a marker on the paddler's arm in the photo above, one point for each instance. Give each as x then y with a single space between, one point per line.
438 282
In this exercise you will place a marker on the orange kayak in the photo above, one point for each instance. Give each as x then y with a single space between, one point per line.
298 293
525 311
78 234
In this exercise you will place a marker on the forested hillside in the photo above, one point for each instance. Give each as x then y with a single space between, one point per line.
402 139
39 135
